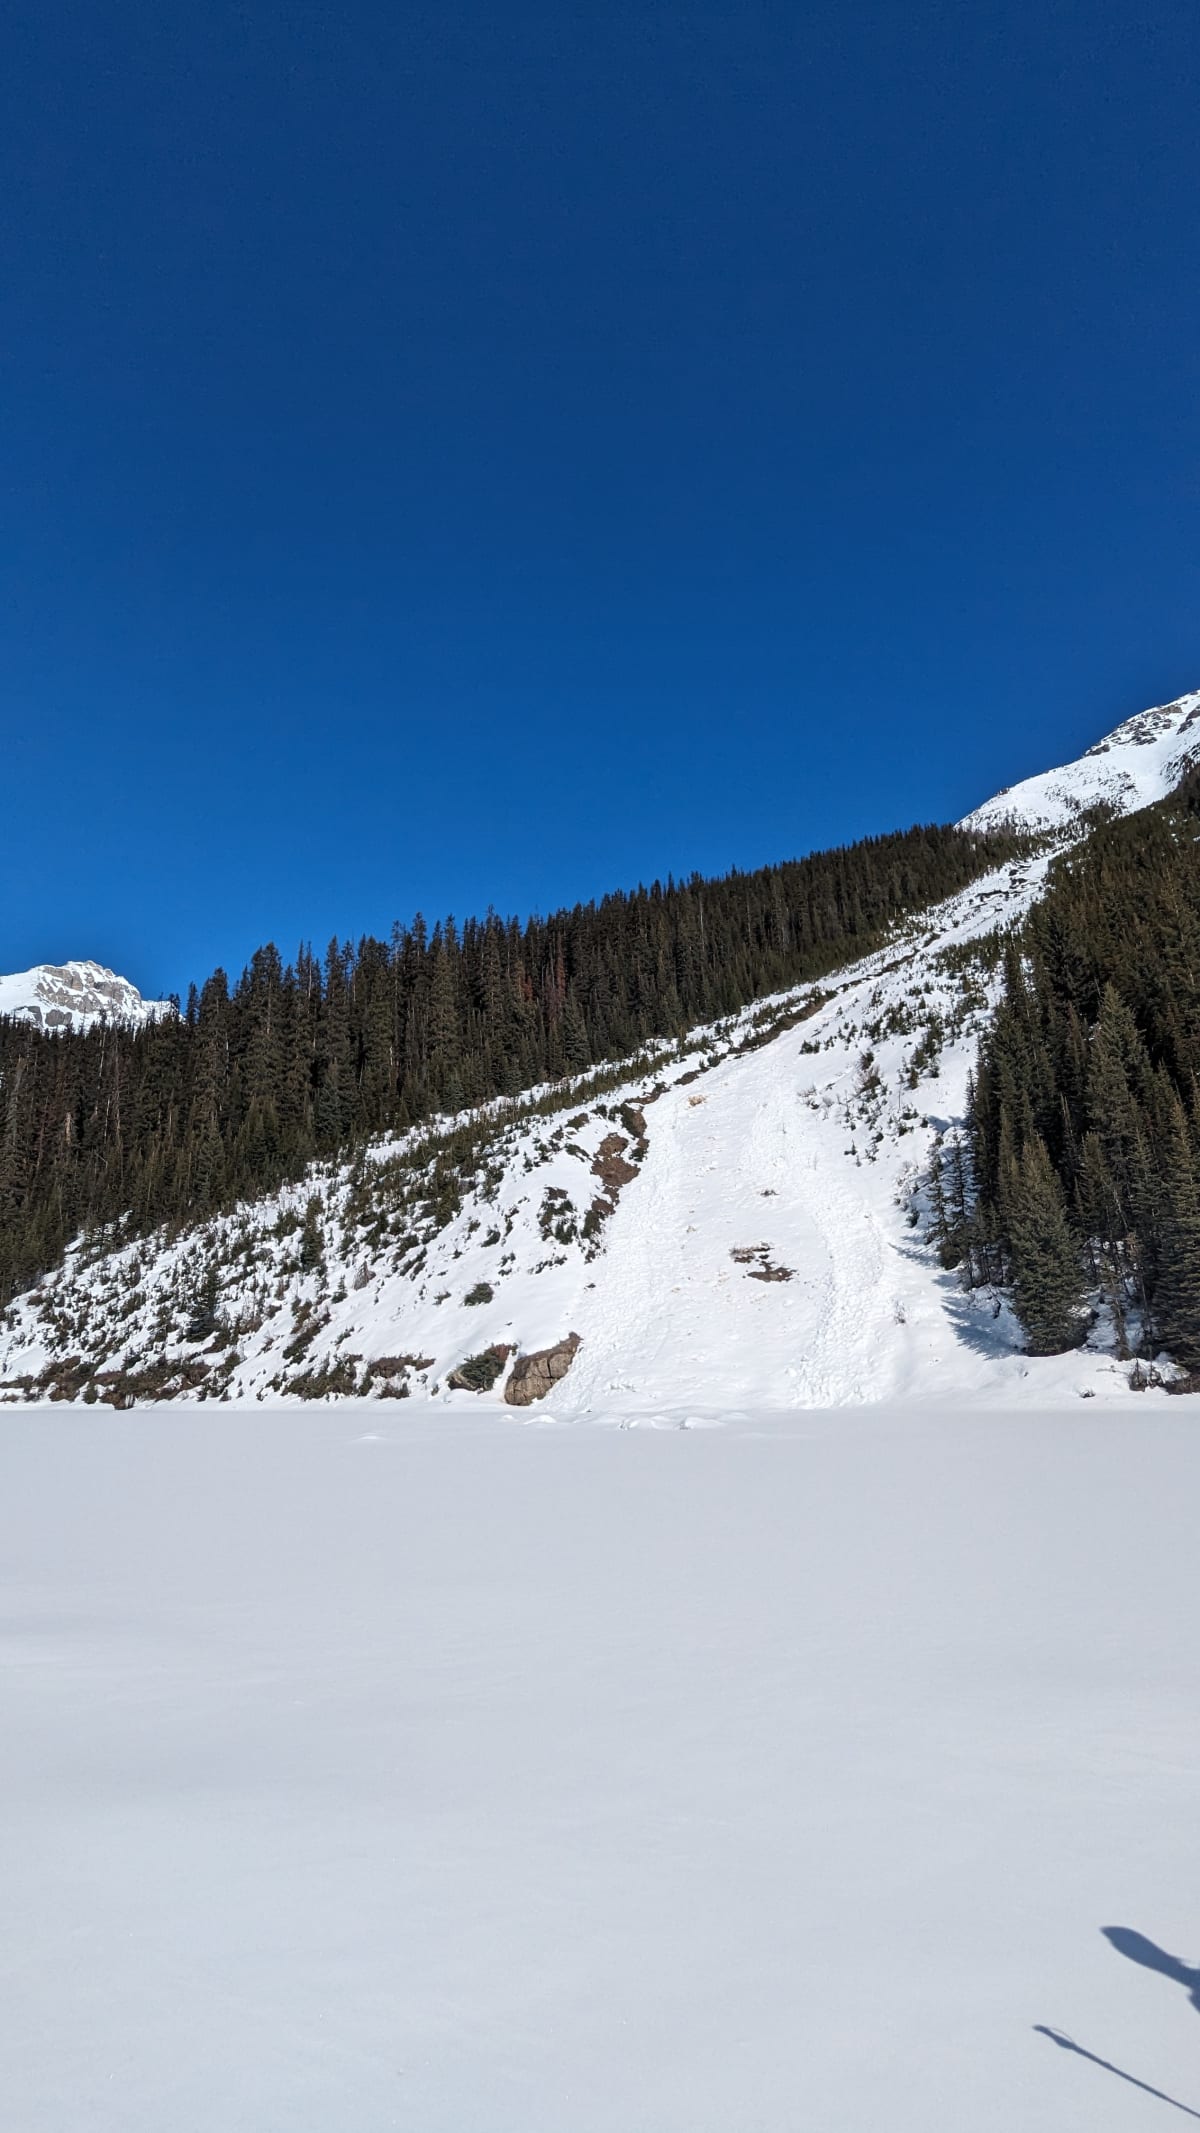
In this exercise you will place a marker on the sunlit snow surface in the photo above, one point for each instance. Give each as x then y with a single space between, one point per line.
1139 762
431 1770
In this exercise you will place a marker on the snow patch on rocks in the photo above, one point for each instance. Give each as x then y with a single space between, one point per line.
75 996
1140 762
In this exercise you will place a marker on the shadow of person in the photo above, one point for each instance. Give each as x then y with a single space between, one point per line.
1140 1950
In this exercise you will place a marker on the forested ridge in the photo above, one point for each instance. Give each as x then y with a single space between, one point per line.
188 1115
1085 1120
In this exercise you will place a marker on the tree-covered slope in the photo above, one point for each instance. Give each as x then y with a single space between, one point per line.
1086 1113
192 1114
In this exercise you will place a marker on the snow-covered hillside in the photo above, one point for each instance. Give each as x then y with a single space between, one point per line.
1139 762
733 1225
74 995
393 1771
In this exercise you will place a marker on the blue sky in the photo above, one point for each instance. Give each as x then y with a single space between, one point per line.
457 455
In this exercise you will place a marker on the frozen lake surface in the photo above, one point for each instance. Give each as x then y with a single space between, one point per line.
436 1772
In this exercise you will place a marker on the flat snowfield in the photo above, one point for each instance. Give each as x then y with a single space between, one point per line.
463 1776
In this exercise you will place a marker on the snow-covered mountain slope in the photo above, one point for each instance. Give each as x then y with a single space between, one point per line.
1139 762
58 996
733 1225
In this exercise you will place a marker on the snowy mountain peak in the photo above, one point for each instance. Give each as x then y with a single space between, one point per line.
61 996
1140 761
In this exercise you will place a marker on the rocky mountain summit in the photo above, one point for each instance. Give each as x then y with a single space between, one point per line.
1139 762
75 995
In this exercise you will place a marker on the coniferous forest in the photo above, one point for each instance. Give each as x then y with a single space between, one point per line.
1086 1108
250 1082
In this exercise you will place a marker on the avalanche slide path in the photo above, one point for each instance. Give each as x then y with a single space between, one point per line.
740 1167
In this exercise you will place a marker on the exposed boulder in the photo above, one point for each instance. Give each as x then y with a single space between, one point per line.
533 1375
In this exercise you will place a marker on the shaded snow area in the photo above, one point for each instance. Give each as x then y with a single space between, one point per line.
735 1224
61 996
1140 762
429 1771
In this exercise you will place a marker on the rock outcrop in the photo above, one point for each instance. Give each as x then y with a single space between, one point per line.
533 1375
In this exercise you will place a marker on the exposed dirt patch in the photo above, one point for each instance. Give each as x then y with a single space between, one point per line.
634 1122
611 1166
759 1265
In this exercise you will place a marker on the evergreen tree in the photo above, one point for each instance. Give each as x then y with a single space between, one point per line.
312 1240
1047 1283
1095 1049
1177 1295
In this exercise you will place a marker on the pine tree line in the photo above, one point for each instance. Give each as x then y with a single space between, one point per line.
1085 1115
249 1083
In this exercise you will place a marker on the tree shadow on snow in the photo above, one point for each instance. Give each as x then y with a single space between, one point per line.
969 1311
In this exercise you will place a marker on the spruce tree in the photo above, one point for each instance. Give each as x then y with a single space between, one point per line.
312 1241
1046 1279
1177 1294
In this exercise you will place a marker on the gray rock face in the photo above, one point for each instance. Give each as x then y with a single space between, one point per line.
533 1375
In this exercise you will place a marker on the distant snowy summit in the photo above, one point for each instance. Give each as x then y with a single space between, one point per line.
1140 762
63 996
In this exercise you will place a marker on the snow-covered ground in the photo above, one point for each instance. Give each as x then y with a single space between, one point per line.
428 1770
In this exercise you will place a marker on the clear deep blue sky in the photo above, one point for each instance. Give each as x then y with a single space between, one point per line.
455 454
